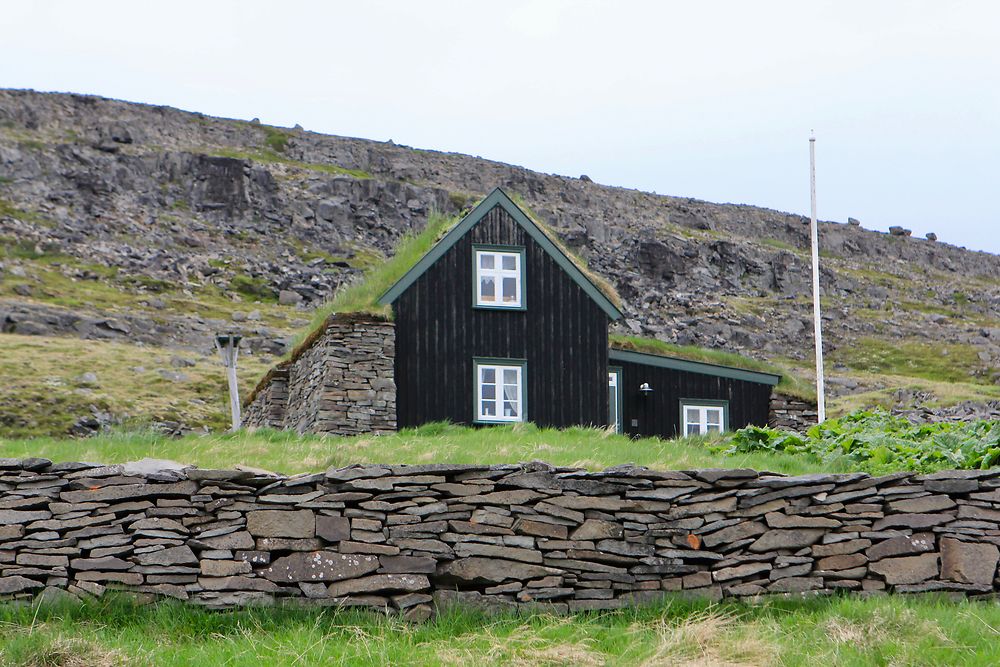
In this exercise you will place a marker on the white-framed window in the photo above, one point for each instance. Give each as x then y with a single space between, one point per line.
700 418
500 390
499 277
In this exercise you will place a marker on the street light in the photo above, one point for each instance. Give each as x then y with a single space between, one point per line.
229 348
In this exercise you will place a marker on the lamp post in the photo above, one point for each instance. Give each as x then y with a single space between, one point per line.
229 346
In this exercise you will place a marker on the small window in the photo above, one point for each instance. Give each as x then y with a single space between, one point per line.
500 395
614 400
499 278
699 419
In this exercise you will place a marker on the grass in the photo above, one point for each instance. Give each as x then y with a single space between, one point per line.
43 392
290 453
837 631
936 361
791 384
270 156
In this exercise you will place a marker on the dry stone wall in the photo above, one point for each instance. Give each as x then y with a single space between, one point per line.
791 414
340 382
499 537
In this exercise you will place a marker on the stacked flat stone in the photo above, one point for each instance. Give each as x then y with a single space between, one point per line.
342 382
791 414
397 537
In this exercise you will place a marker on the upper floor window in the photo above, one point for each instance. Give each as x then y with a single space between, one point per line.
499 277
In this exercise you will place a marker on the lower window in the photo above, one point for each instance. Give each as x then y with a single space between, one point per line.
500 390
702 417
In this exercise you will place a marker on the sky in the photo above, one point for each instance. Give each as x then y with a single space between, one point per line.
713 100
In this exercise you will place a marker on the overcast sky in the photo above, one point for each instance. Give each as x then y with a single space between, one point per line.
713 100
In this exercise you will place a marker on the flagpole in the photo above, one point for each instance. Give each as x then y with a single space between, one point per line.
817 319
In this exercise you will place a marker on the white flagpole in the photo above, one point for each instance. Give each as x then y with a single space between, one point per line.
817 320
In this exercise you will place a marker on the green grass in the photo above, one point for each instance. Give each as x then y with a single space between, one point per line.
275 139
790 384
838 632
937 361
287 452
270 156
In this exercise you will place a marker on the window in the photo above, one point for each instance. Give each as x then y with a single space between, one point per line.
499 277
500 390
702 417
614 399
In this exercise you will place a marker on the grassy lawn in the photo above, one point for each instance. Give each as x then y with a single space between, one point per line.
434 443
834 631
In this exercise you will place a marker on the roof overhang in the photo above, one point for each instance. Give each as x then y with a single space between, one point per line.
693 366
499 198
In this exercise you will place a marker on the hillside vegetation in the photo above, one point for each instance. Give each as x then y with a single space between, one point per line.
155 228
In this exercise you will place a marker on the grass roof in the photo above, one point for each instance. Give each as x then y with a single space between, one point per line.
790 384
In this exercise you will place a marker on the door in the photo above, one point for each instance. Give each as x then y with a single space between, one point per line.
615 399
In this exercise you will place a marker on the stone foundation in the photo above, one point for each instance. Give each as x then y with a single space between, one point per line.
791 414
340 381
499 537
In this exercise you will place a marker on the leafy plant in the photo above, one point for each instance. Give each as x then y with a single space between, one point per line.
878 442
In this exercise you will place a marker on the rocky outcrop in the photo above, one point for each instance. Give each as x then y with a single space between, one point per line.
165 195
502 537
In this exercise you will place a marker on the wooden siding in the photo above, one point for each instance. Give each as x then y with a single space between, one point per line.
563 335
659 414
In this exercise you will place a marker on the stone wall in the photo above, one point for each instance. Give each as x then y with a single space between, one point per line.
270 403
792 414
502 536
340 381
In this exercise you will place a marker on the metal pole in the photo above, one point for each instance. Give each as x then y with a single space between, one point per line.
817 319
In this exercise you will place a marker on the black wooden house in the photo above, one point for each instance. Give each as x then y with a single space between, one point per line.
498 324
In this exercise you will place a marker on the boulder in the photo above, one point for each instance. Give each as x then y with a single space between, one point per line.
379 582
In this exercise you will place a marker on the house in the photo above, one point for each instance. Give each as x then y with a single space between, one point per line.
498 324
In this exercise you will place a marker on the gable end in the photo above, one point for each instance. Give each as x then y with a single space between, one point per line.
499 198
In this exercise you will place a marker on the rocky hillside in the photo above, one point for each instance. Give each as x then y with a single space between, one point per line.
152 226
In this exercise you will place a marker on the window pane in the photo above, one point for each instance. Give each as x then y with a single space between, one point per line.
693 429
489 375
510 376
713 428
486 260
487 289
691 415
510 392
510 409
510 289
489 409
489 391
713 416
509 262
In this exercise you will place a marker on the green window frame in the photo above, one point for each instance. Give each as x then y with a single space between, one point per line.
499 274
615 402
484 385
707 409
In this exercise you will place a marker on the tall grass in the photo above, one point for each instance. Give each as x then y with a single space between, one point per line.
287 452
837 631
